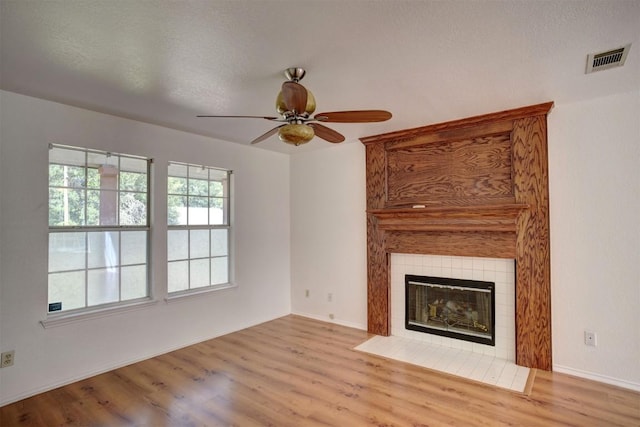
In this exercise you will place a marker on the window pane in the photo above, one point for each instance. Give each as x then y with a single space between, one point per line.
103 286
67 288
219 270
93 178
216 189
199 244
56 207
66 251
65 156
107 208
132 164
56 176
177 245
93 207
198 172
199 273
178 276
73 177
66 207
103 249
133 247
198 187
198 210
218 175
219 242
178 170
133 282
217 216
133 181
133 208
177 212
177 185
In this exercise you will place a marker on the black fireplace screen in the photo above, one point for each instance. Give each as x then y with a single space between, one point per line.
455 308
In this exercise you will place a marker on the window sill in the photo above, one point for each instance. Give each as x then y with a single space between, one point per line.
64 319
179 296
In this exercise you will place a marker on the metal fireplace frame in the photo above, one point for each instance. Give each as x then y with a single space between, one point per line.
453 283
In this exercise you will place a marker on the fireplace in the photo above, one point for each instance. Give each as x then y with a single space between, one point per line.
474 187
454 308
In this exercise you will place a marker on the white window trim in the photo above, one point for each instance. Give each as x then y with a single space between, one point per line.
55 320
186 293
90 312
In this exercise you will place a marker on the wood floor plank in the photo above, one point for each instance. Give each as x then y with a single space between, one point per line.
296 371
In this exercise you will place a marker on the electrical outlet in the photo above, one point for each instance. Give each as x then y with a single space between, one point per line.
329 297
590 338
6 358
306 293
331 316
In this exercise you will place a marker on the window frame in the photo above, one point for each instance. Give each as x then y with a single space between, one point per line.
227 201
61 316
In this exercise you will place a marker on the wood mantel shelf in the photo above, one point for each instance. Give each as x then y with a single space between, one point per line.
497 217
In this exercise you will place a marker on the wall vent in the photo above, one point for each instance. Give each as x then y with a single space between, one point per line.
609 59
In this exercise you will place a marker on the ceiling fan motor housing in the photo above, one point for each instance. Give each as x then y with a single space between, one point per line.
309 108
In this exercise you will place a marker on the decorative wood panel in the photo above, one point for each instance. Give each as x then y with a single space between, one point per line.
458 169
481 186
378 268
533 276
477 244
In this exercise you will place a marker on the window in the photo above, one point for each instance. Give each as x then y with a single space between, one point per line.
98 228
198 227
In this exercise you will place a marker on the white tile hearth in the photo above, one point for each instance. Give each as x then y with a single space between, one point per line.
467 364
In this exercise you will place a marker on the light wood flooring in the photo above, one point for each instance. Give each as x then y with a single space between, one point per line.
295 371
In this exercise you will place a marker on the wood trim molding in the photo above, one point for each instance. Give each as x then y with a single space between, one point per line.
469 187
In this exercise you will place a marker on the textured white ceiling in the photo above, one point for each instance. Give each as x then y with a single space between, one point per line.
165 61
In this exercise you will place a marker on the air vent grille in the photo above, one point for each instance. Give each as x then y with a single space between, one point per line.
609 59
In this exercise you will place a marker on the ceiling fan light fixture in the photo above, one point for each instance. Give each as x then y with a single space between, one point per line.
295 104
295 133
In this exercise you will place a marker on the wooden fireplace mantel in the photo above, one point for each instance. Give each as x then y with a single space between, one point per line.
470 187
499 218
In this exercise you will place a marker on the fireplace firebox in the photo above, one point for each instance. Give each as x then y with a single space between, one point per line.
454 308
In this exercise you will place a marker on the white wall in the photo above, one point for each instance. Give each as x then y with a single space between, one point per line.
329 234
46 358
594 150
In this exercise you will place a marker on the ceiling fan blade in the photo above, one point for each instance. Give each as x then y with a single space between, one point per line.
244 117
326 133
363 116
294 96
267 134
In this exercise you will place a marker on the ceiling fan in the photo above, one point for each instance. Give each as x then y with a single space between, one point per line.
295 104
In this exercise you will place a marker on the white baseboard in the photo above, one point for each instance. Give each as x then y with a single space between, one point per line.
362 327
597 377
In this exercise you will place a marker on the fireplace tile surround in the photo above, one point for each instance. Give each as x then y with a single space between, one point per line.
493 365
500 271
